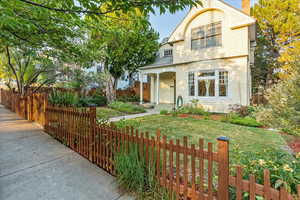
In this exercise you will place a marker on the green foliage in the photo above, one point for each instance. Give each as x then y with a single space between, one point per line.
134 175
283 167
192 110
66 99
244 121
95 100
63 99
127 123
283 110
277 33
126 107
129 98
164 112
242 111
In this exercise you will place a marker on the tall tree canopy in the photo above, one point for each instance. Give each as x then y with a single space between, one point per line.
123 45
56 29
278 32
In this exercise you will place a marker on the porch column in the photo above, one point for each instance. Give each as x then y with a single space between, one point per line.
157 88
141 88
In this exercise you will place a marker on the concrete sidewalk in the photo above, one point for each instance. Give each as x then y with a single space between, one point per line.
34 166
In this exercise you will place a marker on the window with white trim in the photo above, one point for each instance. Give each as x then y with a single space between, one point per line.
168 52
208 83
223 83
207 36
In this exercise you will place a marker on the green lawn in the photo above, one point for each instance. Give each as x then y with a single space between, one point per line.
104 112
249 139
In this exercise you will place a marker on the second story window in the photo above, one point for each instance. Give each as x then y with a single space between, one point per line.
207 36
168 52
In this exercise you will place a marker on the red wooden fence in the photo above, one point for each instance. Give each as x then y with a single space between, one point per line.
193 172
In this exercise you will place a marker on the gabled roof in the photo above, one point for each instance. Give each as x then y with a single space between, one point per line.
210 5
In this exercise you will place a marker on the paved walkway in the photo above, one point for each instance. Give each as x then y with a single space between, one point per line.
149 112
34 166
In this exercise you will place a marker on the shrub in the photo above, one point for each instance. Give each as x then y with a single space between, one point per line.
134 175
283 109
65 99
126 107
244 121
164 112
129 98
98 100
242 111
283 166
192 110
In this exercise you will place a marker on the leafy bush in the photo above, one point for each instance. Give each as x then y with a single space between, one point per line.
63 99
134 175
283 166
126 107
95 100
164 112
242 111
244 121
283 109
129 98
192 110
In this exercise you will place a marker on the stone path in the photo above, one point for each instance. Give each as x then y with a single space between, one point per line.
149 112
34 166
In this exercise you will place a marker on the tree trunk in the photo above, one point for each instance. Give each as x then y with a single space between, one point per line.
110 89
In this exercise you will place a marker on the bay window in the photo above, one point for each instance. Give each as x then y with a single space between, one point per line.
208 83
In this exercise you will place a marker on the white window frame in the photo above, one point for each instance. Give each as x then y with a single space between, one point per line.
217 82
205 37
168 52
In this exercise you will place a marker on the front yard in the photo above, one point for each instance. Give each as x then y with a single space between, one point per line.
117 108
249 139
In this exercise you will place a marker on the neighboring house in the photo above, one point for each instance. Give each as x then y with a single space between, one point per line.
124 82
207 57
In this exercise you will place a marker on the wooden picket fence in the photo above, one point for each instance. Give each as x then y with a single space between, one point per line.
31 107
189 171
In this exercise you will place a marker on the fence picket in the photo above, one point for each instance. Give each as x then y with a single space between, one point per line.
239 183
201 169
252 188
177 168
185 169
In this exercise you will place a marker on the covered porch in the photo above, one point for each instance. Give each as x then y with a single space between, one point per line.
162 85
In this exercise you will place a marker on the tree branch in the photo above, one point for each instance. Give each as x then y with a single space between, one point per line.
12 67
69 10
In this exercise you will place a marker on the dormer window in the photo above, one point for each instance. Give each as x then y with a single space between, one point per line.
168 52
207 36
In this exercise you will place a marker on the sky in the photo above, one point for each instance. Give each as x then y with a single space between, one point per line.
167 22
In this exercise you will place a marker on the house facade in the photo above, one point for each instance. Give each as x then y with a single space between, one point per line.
207 57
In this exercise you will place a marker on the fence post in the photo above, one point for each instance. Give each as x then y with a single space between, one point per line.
93 115
223 157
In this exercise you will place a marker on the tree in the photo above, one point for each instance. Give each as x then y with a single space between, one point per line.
24 68
125 45
278 31
55 28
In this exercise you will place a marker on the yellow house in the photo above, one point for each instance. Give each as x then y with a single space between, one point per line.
207 57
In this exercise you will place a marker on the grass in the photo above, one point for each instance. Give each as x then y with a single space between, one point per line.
248 138
103 112
126 107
